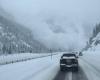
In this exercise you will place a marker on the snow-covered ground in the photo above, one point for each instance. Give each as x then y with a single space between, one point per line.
46 68
6 59
36 69
90 64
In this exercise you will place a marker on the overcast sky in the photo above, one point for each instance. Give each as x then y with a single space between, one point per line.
56 23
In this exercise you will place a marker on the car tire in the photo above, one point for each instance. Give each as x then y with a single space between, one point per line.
61 69
75 69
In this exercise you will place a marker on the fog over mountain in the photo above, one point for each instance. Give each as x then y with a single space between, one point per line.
64 24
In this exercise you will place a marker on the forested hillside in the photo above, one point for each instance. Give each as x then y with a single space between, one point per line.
14 38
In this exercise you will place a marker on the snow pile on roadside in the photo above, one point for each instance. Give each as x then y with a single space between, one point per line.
38 69
51 72
6 59
48 74
90 63
93 58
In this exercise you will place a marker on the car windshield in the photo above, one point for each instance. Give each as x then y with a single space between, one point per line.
68 55
38 37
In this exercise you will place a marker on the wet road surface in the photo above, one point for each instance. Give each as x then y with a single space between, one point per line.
71 75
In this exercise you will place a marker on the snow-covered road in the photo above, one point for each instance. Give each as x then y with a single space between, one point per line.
36 69
89 69
71 75
47 69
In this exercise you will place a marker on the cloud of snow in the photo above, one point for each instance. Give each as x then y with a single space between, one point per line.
56 23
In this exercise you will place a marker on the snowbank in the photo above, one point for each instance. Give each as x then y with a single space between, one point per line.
90 63
6 59
38 69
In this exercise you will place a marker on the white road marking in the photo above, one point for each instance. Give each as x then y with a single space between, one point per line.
68 76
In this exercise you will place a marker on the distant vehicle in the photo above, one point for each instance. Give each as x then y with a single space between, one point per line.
80 54
68 61
76 54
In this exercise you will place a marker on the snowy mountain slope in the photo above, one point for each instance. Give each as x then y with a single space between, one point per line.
91 58
94 42
16 38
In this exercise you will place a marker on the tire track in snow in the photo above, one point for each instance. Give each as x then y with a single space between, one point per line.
60 76
68 76
36 73
94 69
63 75
98 70
71 75
80 75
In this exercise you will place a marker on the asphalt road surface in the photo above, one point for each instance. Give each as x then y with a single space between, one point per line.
71 75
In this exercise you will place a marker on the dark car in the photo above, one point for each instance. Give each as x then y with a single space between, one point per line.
69 61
